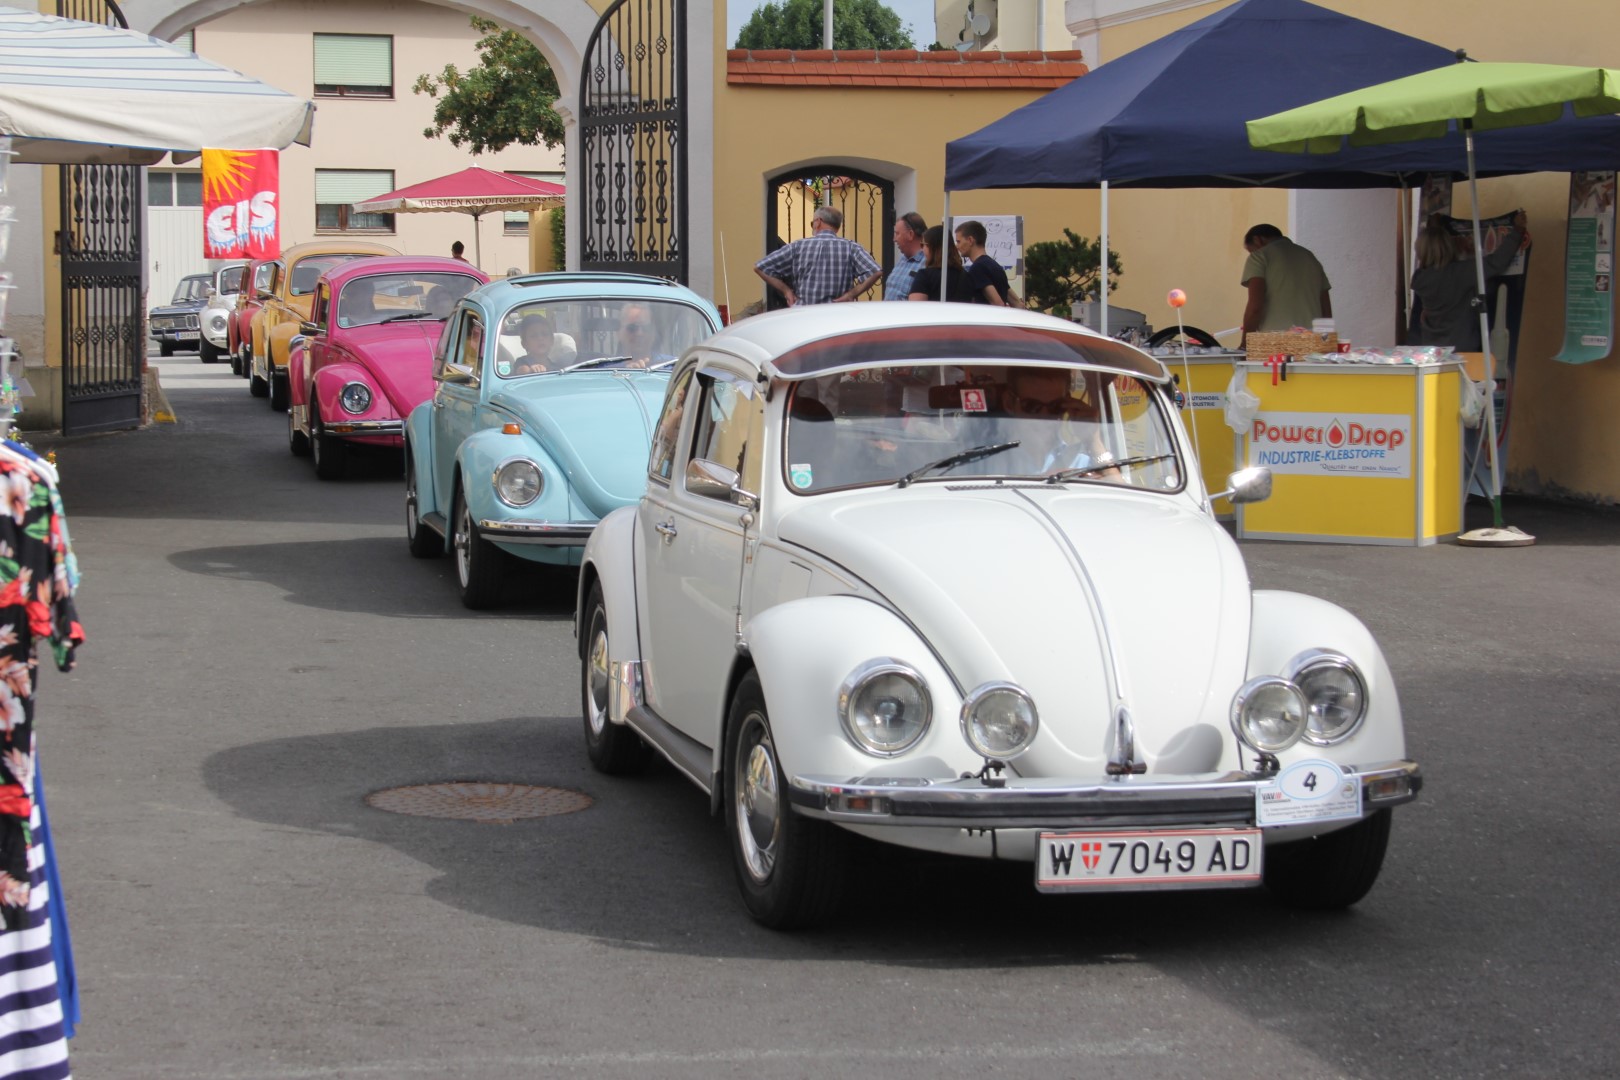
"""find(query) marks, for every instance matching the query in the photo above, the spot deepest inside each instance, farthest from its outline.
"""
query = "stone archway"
(561, 30)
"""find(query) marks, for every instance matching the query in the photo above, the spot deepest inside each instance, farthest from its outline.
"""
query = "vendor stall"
(1202, 374)
(1366, 452)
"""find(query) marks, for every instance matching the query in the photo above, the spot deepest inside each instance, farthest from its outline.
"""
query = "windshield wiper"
(1101, 466)
(954, 460)
(593, 362)
(409, 315)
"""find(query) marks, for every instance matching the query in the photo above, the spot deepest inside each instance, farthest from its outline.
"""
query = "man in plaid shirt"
(823, 268)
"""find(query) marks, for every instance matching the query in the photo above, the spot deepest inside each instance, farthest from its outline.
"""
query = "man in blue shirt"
(823, 268)
(908, 240)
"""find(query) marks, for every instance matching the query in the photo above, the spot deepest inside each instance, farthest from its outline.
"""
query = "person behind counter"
(1445, 282)
(1287, 285)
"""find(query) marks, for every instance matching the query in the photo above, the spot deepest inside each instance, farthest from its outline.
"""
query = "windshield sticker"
(503, 367)
(973, 401)
(801, 476)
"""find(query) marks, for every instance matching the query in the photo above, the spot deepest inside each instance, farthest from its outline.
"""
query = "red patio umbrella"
(476, 191)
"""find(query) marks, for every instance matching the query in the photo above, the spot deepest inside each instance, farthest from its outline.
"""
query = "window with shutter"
(354, 65)
(336, 192)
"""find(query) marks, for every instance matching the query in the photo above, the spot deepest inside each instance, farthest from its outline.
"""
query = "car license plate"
(186, 335)
(1150, 859)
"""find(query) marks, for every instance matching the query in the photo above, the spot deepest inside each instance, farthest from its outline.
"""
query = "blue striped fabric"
(32, 1045)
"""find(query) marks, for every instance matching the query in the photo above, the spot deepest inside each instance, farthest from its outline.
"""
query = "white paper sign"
(1332, 444)
(1306, 791)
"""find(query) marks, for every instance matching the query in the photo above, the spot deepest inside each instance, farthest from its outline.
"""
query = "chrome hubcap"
(758, 800)
(463, 543)
(596, 689)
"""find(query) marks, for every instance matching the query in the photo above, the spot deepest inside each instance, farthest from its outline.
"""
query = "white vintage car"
(945, 576)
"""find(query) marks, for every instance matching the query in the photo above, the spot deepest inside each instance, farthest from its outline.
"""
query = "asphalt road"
(264, 652)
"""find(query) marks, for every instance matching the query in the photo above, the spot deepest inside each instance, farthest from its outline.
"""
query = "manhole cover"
(479, 801)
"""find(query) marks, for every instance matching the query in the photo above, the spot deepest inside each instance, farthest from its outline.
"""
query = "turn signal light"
(511, 429)
(858, 804)
(1390, 787)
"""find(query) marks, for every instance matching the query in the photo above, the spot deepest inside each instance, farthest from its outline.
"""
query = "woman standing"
(941, 259)
(1446, 283)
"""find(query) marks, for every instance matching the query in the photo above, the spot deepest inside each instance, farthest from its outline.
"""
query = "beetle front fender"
(804, 650)
(419, 458)
(1286, 624)
(482, 452)
(609, 558)
(329, 383)
(280, 343)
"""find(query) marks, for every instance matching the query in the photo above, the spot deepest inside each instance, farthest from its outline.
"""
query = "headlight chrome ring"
(885, 707)
(1335, 694)
(355, 397)
(518, 482)
(999, 720)
(1269, 714)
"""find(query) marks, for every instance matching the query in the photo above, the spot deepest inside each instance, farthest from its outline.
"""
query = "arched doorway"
(865, 199)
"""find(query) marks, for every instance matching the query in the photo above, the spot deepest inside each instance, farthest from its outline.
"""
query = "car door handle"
(666, 529)
(438, 403)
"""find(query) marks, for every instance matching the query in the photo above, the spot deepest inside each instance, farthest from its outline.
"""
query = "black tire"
(331, 455)
(1330, 871)
(614, 749)
(246, 355)
(207, 352)
(165, 348)
(423, 541)
(236, 363)
(478, 562)
(790, 869)
(257, 386)
(280, 392)
(1193, 335)
(297, 441)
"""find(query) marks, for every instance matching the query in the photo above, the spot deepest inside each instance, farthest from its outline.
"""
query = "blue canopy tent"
(1172, 114)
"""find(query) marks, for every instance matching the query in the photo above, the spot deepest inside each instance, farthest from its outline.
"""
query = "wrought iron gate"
(99, 241)
(866, 201)
(632, 138)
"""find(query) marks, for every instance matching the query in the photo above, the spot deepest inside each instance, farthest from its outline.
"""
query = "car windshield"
(194, 287)
(550, 335)
(308, 271)
(902, 425)
(380, 298)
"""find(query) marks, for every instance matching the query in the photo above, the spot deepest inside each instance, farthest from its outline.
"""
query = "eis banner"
(240, 216)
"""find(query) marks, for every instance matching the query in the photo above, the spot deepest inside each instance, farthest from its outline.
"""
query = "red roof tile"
(989, 70)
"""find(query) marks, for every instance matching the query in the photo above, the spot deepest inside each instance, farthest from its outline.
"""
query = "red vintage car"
(256, 277)
(365, 358)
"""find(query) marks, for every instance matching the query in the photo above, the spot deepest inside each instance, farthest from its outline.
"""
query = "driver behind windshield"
(357, 305)
(1065, 434)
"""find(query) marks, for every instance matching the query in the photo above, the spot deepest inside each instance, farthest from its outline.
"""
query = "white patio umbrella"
(74, 92)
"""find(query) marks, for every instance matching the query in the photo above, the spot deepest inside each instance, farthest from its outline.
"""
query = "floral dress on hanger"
(36, 603)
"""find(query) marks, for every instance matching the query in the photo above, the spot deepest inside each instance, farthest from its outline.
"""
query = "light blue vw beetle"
(545, 391)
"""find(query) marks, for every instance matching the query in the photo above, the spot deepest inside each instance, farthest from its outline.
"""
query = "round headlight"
(999, 721)
(1335, 694)
(885, 707)
(1268, 714)
(355, 398)
(216, 322)
(518, 482)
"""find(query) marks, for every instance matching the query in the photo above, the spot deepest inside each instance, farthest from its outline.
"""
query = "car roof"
(335, 247)
(397, 264)
(803, 342)
(527, 288)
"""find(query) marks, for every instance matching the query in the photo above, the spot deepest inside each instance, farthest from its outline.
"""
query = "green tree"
(1060, 273)
(505, 99)
(797, 24)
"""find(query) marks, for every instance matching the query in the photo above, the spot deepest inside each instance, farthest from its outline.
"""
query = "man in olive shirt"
(1287, 286)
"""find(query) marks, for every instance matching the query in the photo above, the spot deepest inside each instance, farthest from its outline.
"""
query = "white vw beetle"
(946, 577)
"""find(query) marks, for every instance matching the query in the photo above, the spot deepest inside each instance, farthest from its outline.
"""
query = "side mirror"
(1247, 486)
(459, 375)
(713, 480)
(308, 328)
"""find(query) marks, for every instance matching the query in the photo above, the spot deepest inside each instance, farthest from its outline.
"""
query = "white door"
(174, 248)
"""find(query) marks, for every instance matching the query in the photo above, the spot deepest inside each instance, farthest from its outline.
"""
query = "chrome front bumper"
(366, 427)
(1047, 803)
(545, 533)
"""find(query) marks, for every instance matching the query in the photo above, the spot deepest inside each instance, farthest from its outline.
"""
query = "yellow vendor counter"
(1360, 453)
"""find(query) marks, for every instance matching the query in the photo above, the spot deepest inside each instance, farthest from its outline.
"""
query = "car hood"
(184, 307)
(596, 426)
(1068, 592)
(399, 356)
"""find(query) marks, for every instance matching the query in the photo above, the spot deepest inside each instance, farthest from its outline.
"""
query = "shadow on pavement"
(378, 576)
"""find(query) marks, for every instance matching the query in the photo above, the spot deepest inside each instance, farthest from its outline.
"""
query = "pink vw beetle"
(364, 359)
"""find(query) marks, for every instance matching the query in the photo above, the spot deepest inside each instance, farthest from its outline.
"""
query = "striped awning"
(75, 92)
